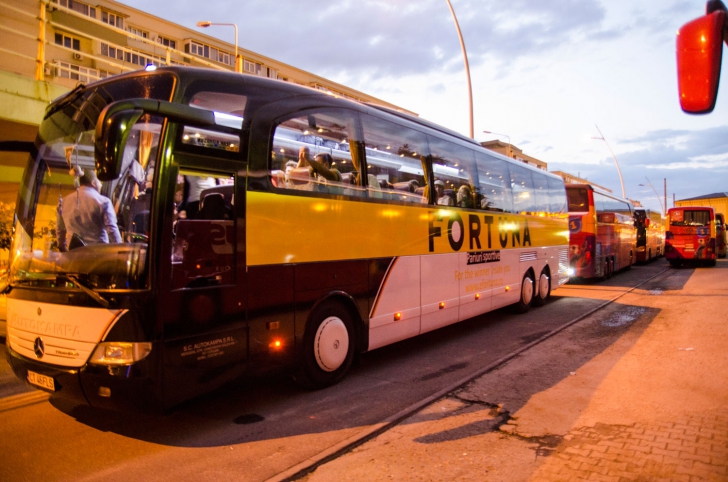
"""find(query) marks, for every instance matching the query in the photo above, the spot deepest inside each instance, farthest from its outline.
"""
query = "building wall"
(720, 204)
(34, 69)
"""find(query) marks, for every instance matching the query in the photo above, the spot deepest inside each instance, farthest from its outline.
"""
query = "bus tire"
(543, 289)
(711, 262)
(527, 289)
(328, 347)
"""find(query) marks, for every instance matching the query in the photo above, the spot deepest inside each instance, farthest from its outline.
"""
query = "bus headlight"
(570, 271)
(120, 353)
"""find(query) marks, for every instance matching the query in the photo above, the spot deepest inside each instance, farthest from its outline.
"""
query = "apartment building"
(509, 150)
(48, 46)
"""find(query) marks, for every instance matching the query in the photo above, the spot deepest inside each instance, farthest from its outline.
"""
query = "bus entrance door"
(203, 310)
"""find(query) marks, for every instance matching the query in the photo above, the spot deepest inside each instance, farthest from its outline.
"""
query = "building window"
(136, 31)
(252, 67)
(112, 19)
(79, 7)
(208, 52)
(131, 57)
(167, 42)
(68, 42)
(76, 72)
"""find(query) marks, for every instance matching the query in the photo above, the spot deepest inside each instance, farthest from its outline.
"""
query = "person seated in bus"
(278, 178)
(321, 167)
(375, 189)
(88, 215)
(442, 198)
(486, 203)
(290, 165)
(465, 196)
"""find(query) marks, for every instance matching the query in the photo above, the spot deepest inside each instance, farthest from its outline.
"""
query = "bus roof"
(600, 191)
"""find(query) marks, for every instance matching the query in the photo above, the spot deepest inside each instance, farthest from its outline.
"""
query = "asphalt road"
(255, 432)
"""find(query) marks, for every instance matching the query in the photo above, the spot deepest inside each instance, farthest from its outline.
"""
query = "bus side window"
(395, 157)
(317, 152)
(524, 198)
(493, 184)
(557, 196)
(203, 247)
(454, 166)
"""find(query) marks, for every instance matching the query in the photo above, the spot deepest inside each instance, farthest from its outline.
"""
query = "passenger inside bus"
(442, 198)
(465, 197)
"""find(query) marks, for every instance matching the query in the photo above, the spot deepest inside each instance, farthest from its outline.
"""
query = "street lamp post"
(467, 68)
(621, 182)
(510, 151)
(205, 24)
(658, 196)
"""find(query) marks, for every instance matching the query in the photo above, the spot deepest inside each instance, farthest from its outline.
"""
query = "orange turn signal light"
(477, 296)
(442, 304)
(397, 316)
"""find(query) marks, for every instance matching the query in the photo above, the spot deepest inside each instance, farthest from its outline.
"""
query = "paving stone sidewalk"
(636, 392)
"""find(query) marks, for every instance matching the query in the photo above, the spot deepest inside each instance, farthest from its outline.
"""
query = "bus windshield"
(690, 218)
(72, 233)
(578, 199)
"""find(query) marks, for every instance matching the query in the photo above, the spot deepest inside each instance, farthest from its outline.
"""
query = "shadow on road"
(384, 381)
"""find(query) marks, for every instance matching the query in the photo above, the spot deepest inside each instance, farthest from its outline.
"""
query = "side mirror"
(110, 143)
(117, 119)
(699, 53)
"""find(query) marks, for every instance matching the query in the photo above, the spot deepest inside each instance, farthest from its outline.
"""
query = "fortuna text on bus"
(480, 230)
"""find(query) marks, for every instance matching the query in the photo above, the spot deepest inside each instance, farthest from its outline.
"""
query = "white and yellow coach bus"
(264, 225)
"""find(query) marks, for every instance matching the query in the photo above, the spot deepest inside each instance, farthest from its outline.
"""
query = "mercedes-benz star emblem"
(39, 347)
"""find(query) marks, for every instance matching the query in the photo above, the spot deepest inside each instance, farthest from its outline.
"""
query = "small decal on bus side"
(208, 349)
(480, 257)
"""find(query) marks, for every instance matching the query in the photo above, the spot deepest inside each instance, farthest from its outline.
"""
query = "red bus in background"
(721, 243)
(650, 226)
(690, 235)
(601, 232)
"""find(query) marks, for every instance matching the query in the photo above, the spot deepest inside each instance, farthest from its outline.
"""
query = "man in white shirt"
(89, 214)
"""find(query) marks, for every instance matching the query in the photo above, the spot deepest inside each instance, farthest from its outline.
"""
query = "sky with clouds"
(544, 73)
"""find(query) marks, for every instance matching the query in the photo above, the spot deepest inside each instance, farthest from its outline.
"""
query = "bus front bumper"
(100, 387)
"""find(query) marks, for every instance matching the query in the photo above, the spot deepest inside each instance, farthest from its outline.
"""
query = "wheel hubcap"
(543, 286)
(331, 344)
(527, 290)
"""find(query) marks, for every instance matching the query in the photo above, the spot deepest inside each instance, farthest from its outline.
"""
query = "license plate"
(41, 381)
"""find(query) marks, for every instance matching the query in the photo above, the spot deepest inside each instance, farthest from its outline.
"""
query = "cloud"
(693, 163)
(394, 38)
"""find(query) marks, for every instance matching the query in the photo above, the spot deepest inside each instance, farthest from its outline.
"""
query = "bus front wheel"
(328, 347)
(543, 289)
(527, 289)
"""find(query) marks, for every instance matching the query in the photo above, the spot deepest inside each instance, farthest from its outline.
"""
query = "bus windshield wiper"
(70, 97)
(89, 291)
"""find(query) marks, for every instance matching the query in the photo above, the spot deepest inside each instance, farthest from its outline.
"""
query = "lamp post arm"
(658, 196)
(467, 68)
(619, 171)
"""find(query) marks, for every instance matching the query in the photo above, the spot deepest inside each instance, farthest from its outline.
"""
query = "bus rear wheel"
(328, 347)
(527, 289)
(543, 289)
